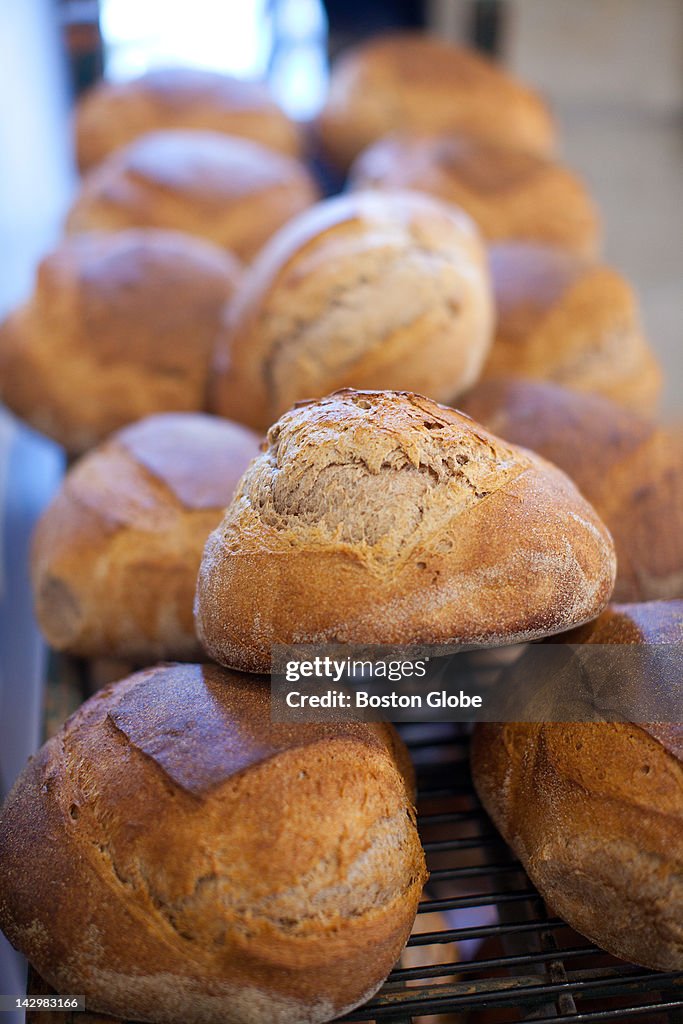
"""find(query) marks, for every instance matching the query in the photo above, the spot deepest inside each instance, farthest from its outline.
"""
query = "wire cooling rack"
(485, 949)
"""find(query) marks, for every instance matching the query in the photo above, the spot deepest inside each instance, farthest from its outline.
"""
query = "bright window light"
(284, 40)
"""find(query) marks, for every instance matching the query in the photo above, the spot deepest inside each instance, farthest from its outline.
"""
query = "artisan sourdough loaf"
(414, 82)
(509, 193)
(177, 858)
(382, 517)
(118, 327)
(364, 290)
(114, 113)
(561, 319)
(630, 470)
(115, 555)
(594, 810)
(231, 191)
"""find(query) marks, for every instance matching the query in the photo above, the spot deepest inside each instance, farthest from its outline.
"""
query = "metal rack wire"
(514, 961)
(484, 948)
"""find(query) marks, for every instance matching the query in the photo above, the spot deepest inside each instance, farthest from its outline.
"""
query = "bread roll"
(116, 553)
(119, 326)
(510, 194)
(384, 518)
(365, 290)
(177, 858)
(231, 191)
(594, 810)
(114, 113)
(413, 82)
(562, 320)
(630, 470)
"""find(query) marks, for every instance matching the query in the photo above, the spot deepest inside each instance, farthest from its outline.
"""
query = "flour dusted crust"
(178, 859)
(364, 290)
(413, 82)
(118, 327)
(510, 194)
(630, 469)
(594, 810)
(230, 191)
(382, 517)
(561, 319)
(114, 113)
(116, 553)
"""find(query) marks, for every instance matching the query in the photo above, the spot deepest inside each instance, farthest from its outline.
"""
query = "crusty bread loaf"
(384, 518)
(115, 555)
(119, 326)
(365, 290)
(408, 81)
(114, 113)
(594, 810)
(560, 319)
(629, 469)
(510, 194)
(177, 858)
(231, 191)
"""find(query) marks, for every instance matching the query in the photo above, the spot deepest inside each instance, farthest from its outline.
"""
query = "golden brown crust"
(562, 320)
(630, 470)
(288, 889)
(510, 194)
(381, 517)
(119, 326)
(595, 810)
(115, 555)
(364, 290)
(414, 82)
(114, 113)
(231, 191)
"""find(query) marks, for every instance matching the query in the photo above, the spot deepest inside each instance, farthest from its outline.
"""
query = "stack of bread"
(171, 853)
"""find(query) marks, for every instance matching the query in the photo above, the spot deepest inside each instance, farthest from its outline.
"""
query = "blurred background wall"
(613, 70)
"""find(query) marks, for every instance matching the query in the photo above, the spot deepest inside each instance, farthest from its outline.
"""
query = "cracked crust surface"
(114, 113)
(382, 517)
(569, 322)
(118, 327)
(178, 858)
(230, 191)
(116, 553)
(595, 810)
(510, 194)
(416, 82)
(364, 290)
(629, 469)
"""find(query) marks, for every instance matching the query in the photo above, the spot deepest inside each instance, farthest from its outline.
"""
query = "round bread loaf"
(510, 194)
(116, 554)
(177, 858)
(563, 320)
(118, 326)
(231, 191)
(384, 518)
(114, 113)
(365, 290)
(413, 82)
(594, 810)
(630, 470)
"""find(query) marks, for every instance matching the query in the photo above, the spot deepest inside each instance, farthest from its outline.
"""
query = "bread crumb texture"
(594, 810)
(115, 555)
(383, 517)
(119, 326)
(178, 858)
(366, 290)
